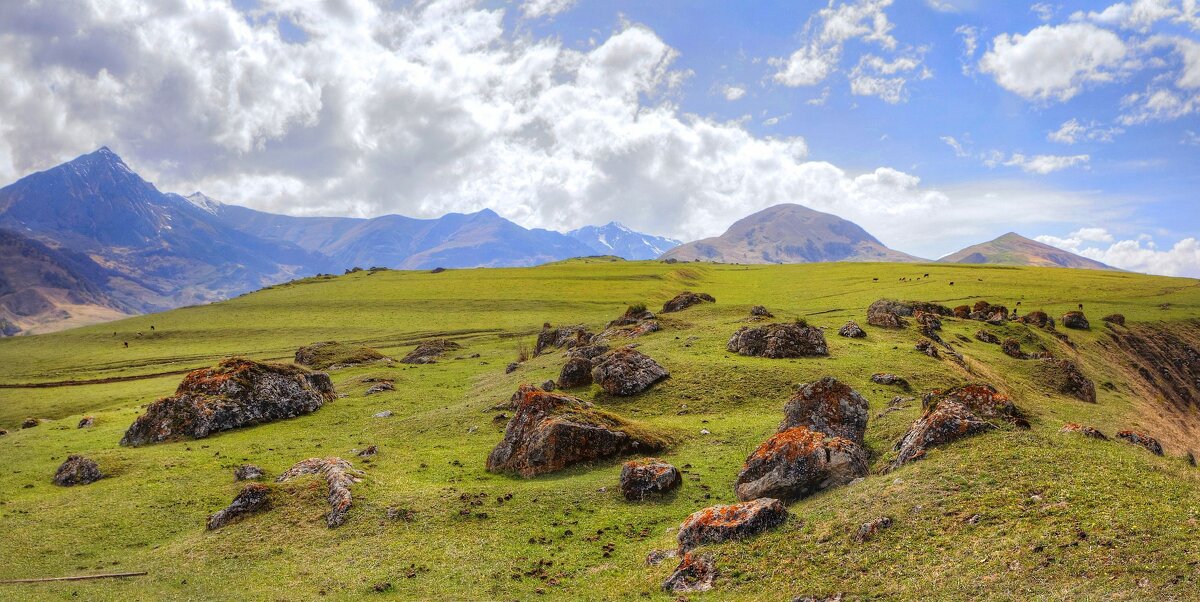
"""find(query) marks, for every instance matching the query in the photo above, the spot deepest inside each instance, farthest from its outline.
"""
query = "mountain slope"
(614, 238)
(1014, 249)
(789, 233)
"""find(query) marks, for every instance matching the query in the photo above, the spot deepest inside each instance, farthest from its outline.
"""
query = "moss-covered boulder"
(332, 354)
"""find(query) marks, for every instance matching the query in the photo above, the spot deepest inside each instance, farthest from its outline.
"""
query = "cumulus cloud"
(1140, 255)
(1055, 62)
(1072, 131)
(1138, 15)
(875, 76)
(533, 9)
(732, 93)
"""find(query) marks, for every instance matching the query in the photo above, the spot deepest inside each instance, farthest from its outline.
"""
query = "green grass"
(1034, 491)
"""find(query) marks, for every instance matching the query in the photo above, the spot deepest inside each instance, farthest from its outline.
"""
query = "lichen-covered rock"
(734, 521)
(646, 477)
(868, 530)
(1065, 377)
(555, 338)
(779, 341)
(1118, 319)
(551, 431)
(984, 400)
(987, 337)
(236, 393)
(1076, 320)
(884, 378)
(941, 423)
(1012, 348)
(1142, 440)
(889, 313)
(685, 300)
(429, 352)
(851, 330)
(577, 372)
(247, 472)
(927, 320)
(828, 406)
(254, 497)
(590, 352)
(799, 462)
(77, 470)
(695, 573)
(332, 354)
(760, 311)
(86, 422)
(1086, 431)
(626, 371)
(1037, 318)
(339, 475)
(927, 347)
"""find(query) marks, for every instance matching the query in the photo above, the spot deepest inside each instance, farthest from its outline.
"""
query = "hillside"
(1014, 249)
(1010, 514)
(788, 234)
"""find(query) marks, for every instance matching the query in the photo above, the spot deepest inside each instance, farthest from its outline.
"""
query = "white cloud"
(1045, 164)
(1073, 131)
(1077, 238)
(1054, 62)
(1139, 255)
(874, 76)
(1137, 15)
(1044, 11)
(970, 42)
(953, 143)
(533, 9)
(942, 6)
(732, 93)
(1190, 138)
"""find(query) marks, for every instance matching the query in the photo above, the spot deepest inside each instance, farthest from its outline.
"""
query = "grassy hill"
(1012, 514)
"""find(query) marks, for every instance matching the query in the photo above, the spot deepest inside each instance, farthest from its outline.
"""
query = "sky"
(934, 124)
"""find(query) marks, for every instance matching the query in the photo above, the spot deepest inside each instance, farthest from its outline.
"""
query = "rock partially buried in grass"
(562, 336)
(332, 354)
(984, 400)
(1118, 319)
(253, 498)
(828, 406)
(77, 470)
(943, 422)
(760, 311)
(797, 463)
(247, 472)
(1012, 348)
(86, 422)
(626, 371)
(380, 387)
(886, 378)
(29, 423)
(851, 330)
(1076, 320)
(779, 341)
(685, 300)
(1142, 440)
(1086, 431)
(236, 393)
(339, 475)
(735, 521)
(927, 347)
(1065, 377)
(430, 351)
(868, 530)
(551, 431)
(987, 337)
(650, 476)
(695, 573)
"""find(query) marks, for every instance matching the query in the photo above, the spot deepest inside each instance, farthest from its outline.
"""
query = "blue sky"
(933, 123)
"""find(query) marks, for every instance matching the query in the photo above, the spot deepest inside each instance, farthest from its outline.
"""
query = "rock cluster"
(254, 497)
(685, 300)
(626, 371)
(986, 312)
(650, 476)
(429, 352)
(339, 475)
(237, 392)
(889, 313)
(779, 341)
(77, 470)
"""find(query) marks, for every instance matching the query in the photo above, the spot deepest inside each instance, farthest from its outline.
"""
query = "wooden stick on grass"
(75, 578)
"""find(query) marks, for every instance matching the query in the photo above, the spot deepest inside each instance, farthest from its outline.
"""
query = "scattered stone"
(694, 574)
(685, 300)
(437, 270)
(562, 336)
(1140, 439)
(838, 597)
(1087, 431)
(650, 476)
(799, 462)
(86, 422)
(941, 423)
(384, 414)
(1065, 377)
(405, 514)
(1118, 319)
(735, 521)
(339, 475)
(987, 337)
(656, 557)
(380, 387)
(884, 378)
(332, 354)
(851, 330)
(868, 530)
(1012, 348)
(247, 472)
(577, 372)
(370, 452)
(1037, 318)
(1076, 320)
(760, 311)
(3, 432)
(512, 367)
(626, 371)
(253, 498)
(237, 392)
(429, 351)
(779, 341)
(550, 431)
(827, 406)
(77, 470)
(29, 423)
(927, 347)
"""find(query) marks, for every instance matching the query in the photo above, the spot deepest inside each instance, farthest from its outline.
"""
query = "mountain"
(615, 239)
(789, 233)
(1014, 249)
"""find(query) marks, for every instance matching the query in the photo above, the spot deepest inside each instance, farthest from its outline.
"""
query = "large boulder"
(332, 354)
(1065, 377)
(646, 477)
(338, 474)
(626, 371)
(981, 399)
(1076, 320)
(851, 330)
(941, 423)
(799, 462)
(237, 392)
(551, 431)
(735, 521)
(77, 470)
(779, 341)
(577, 372)
(685, 300)
(695, 573)
(254, 497)
(1142, 440)
(828, 406)
(429, 352)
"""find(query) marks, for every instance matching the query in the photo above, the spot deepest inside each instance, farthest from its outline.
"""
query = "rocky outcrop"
(339, 475)
(551, 431)
(827, 406)
(1076, 320)
(577, 372)
(562, 336)
(253, 498)
(735, 521)
(650, 476)
(236, 393)
(77, 470)
(889, 313)
(943, 422)
(685, 300)
(1065, 377)
(779, 341)
(430, 351)
(332, 355)
(626, 371)
(1142, 440)
(1086, 431)
(851, 330)
(695, 573)
(799, 462)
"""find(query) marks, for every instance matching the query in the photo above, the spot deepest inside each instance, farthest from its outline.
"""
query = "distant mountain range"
(1014, 249)
(615, 239)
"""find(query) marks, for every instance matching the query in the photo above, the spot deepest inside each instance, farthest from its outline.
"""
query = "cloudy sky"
(932, 123)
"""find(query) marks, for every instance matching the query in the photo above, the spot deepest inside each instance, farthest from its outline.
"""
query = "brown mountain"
(789, 233)
(1014, 249)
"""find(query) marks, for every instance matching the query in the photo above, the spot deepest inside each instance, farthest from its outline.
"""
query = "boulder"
(1075, 320)
(634, 314)
(29, 423)
(626, 371)
(429, 352)
(556, 338)
(646, 477)
(927, 347)
(1012, 348)
(1086, 431)
(685, 300)
(987, 337)
(1118, 319)
(981, 399)
(827, 406)
(86, 422)
(254, 497)
(886, 313)
(339, 475)
(1037, 318)
(797, 463)
(1142, 440)
(1065, 377)
(237, 392)
(695, 573)
(590, 352)
(941, 423)
(779, 341)
(77, 470)
(760, 311)
(735, 521)
(551, 431)
(577, 372)
(927, 320)
(962, 312)
(332, 354)
(851, 330)
(247, 472)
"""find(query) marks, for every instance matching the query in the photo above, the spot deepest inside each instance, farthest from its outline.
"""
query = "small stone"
(253, 498)
(870, 529)
(851, 330)
(384, 414)
(86, 422)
